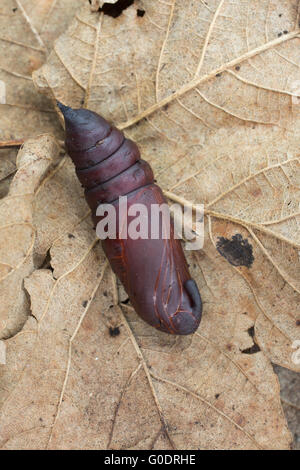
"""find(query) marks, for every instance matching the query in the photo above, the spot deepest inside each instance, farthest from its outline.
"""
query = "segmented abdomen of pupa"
(153, 271)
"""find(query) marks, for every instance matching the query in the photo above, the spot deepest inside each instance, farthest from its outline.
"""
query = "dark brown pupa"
(154, 272)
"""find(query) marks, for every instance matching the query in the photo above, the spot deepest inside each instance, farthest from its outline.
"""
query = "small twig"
(5, 144)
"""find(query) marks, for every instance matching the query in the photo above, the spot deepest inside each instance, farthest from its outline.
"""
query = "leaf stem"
(5, 144)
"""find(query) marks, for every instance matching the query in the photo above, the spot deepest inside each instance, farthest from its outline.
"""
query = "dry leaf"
(218, 127)
(28, 29)
(107, 380)
(24, 112)
(210, 94)
(97, 4)
(49, 18)
(57, 210)
(17, 231)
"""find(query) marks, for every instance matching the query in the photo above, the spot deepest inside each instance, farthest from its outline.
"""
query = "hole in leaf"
(114, 331)
(237, 251)
(254, 349)
(116, 9)
(251, 331)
